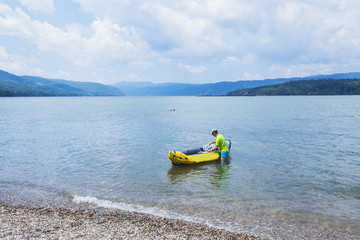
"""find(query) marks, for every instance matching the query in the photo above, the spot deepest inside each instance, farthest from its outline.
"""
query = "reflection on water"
(214, 172)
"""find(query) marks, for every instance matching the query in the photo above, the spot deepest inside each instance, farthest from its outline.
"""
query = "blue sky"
(190, 41)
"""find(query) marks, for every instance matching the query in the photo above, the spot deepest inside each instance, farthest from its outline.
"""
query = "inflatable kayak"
(196, 155)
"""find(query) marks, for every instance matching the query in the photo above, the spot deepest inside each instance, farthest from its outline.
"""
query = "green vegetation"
(305, 87)
(12, 86)
(336, 84)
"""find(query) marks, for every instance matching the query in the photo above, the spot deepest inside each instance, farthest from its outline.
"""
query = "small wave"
(151, 211)
(135, 208)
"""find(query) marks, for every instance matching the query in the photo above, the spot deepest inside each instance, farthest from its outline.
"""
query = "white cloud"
(182, 28)
(132, 77)
(17, 64)
(109, 41)
(63, 74)
(46, 6)
(141, 64)
(136, 34)
(102, 42)
(249, 58)
(249, 76)
(193, 69)
(230, 60)
(3, 53)
(195, 28)
(303, 70)
(271, 31)
(317, 31)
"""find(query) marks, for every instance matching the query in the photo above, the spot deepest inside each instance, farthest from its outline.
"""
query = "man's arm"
(213, 149)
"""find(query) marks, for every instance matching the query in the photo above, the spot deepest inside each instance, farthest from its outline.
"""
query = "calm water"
(294, 170)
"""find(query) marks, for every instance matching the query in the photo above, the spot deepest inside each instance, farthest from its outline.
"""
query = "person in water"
(220, 144)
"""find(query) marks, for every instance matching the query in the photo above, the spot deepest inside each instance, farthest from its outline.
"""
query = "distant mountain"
(305, 87)
(12, 85)
(219, 88)
(186, 89)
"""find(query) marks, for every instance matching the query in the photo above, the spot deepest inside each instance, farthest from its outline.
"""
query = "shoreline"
(24, 222)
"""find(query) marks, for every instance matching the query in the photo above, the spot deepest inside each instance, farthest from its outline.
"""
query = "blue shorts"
(224, 154)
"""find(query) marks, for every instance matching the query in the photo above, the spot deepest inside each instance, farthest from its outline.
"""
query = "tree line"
(305, 87)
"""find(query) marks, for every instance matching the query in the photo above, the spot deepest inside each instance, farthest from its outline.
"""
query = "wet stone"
(23, 222)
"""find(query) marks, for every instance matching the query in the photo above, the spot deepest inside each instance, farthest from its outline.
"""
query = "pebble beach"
(28, 222)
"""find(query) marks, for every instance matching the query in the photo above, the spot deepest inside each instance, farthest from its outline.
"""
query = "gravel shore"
(26, 222)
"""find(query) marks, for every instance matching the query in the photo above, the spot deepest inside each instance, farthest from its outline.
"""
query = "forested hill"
(305, 87)
(12, 85)
(218, 88)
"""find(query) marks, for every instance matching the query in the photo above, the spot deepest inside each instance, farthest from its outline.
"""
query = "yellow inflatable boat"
(196, 155)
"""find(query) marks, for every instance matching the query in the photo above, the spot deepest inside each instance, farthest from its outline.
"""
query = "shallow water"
(294, 170)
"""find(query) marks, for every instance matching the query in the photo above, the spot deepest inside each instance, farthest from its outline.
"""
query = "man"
(220, 144)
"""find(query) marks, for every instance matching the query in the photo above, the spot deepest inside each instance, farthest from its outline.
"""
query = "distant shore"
(26, 222)
(244, 95)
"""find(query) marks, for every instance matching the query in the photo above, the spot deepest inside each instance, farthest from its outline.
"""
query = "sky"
(189, 41)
